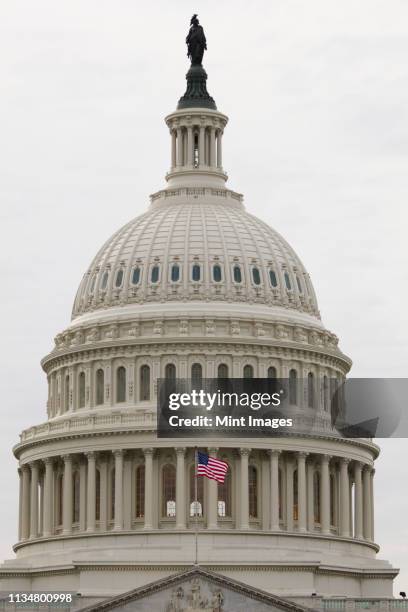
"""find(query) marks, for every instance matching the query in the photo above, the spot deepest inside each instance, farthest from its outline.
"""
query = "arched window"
(66, 393)
(60, 498)
(75, 496)
(100, 386)
(222, 371)
(237, 274)
(112, 494)
(119, 278)
(256, 276)
(196, 272)
(136, 276)
(299, 284)
(169, 491)
(310, 390)
(170, 371)
(145, 383)
(292, 387)
(154, 277)
(295, 496)
(140, 491)
(217, 274)
(272, 278)
(175, 273)
(332, 499)
(253, 491)
(196, 373)
(196, 508)
(121, 384)
(97, 495)
(316, 496)
(81, 390)
(325, 393)
(104, 282)
(248, 371)
(287, 281)
(224, 495)
(271, 372)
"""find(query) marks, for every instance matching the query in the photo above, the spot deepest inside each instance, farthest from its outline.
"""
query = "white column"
(82, 495)
(302, 503)
(289, 493)
(148, 518)
(103, 468)
(25, 506)
(372, 503)
(358, 502)
(91, 493)
(20, 503)
(118, 490)
(244, 523)
(34, 501)
(367, 502)
(212, 147)
(219, 149)
(128, 492)
(179, 147)
(49, 467)
(310, 496)
(67, 496)
(325, 494)
(173, 148)
(274, 484)
(201, 147)
(189, 145)
(180, 489)
(212, 497)
(344, 498)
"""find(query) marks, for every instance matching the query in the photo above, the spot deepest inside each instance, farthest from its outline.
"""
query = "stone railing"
(374, 605)
(140, 421)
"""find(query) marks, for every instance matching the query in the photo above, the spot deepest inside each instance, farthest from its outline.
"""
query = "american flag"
(210, 467)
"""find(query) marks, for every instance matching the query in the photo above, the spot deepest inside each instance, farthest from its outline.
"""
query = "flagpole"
(196, 507)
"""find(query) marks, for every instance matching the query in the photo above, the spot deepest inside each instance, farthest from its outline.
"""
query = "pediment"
(196, 590)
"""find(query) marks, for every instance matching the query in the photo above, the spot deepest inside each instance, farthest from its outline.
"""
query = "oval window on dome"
(155, 274)
(217, 274)
(256, 277)
(299, 284)
(237, 274)
(272, 278)
(287, 281)
(104, 280)
(92, 287)
(175, 273)
(196, 272)
(119, 278)
(136, 276)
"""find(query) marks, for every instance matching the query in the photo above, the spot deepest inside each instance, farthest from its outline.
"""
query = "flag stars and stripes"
(211, 467)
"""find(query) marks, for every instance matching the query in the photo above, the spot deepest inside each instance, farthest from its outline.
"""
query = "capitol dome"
(197, 245)
(196, 288)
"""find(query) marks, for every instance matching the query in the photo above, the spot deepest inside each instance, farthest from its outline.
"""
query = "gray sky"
(317, 95)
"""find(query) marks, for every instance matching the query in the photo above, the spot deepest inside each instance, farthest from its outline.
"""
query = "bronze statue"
(196, 42)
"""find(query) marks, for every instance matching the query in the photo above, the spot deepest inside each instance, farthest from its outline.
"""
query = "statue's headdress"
(194, 19)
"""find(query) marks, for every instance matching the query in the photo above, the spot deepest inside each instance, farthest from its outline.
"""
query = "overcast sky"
(317, 95)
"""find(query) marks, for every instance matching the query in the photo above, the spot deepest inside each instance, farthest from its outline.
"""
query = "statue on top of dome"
(196, 42)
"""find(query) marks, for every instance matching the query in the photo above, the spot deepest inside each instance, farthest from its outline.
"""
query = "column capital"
(274, 452)
(325, 458)
(48, 461)
(358, 466)
(213, 450)
(367, 467)
(90, 455)
(245, 452)
(118, 452)
(302, 455)
(66, 458)
(25, 467)
(345, 460)
(35, 464)
(180, 450)
(148, 451)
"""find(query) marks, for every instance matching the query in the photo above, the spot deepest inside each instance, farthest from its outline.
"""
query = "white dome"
(209, 232)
